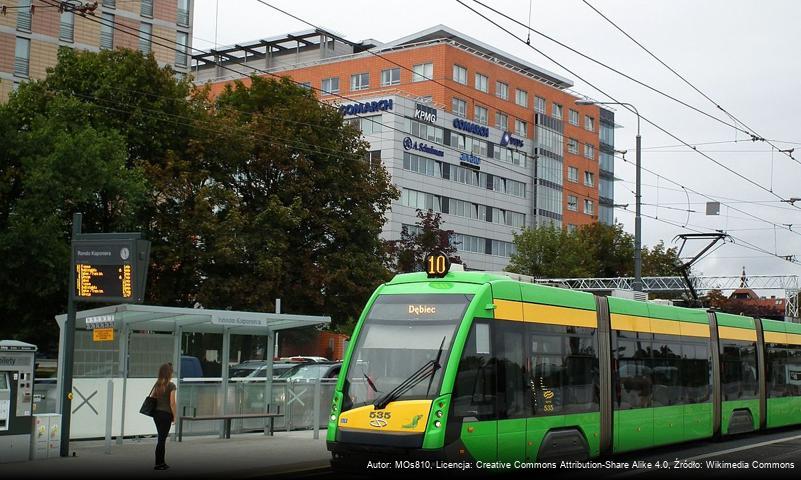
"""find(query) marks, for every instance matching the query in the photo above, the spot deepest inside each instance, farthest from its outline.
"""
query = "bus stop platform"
(247, 455)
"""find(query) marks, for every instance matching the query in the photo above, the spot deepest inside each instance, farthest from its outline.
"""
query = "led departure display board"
(109, 270)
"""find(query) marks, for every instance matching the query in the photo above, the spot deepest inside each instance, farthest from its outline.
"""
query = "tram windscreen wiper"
(426, 371)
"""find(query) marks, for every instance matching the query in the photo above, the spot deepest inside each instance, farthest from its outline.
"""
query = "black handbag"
(149, 405)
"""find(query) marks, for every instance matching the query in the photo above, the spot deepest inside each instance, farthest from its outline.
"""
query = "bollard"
(109, 414)
(316, 409)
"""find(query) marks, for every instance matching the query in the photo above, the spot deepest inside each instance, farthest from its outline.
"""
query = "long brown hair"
(165, 375)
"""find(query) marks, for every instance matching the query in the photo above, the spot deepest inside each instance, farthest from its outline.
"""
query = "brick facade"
(45, 30)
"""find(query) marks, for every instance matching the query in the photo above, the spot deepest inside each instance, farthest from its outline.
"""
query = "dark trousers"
(162, 420)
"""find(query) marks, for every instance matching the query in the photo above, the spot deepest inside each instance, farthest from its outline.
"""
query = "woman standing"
(164, 393)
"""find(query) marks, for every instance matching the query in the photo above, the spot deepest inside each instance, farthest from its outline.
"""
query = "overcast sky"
(742, 54)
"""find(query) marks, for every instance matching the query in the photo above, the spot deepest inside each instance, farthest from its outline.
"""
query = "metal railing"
(294, 399)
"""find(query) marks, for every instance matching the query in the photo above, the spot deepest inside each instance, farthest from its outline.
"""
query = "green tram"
(476, 366)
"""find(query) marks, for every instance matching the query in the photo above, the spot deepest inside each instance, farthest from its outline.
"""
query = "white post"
(268, 378)
(124, 367)
(109, 413)
(176, 367)
(316, 413)
(224, 384)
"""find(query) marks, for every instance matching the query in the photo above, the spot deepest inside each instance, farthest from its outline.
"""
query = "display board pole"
(69, 348)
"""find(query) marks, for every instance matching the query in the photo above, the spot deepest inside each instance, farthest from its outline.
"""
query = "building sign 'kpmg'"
(366, 107)
(425, 114)
(409, 144)
(471, 127)
(508, 139)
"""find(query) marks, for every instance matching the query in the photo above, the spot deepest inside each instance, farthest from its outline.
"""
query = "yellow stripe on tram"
(635, 323)
(547, 314)
(794, 339)
(733, 333)
(775, 337)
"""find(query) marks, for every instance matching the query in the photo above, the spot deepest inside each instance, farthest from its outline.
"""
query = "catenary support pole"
(69, 347)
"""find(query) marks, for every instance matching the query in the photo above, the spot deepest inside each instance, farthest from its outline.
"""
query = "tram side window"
(793, 370)
(695, 372)
(738, 370)
(475, 386)
(564, 363)
(632, 370)
(511, 369)
(665, 367)
(777, 370)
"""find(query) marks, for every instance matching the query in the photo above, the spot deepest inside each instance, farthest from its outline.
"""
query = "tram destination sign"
(108, 269)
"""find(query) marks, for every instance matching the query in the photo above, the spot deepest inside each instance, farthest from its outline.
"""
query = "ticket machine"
(16, 399)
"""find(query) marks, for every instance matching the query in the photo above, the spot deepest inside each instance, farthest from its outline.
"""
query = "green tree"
(594, 250)
(56, 166)
(549, 252)
(408, 253)
(659, 261)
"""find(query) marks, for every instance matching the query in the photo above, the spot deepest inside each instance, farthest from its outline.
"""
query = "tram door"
(475, 396)
(512, 389)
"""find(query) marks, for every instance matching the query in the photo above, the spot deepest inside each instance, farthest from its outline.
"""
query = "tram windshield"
(400, 334)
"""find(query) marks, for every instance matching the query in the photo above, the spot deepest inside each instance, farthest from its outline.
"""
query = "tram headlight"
(438, 424)
(439, 413)
(333, 417)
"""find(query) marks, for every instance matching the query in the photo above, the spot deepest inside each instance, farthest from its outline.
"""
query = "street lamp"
(637, 285)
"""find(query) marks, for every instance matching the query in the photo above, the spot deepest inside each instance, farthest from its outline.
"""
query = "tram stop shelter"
(119, 348)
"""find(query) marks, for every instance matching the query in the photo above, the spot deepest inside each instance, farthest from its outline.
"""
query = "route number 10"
(437, 265)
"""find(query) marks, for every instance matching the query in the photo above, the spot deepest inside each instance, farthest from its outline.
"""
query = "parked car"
(312, 371)
(190, 367)
(258, 369)
(305, 359)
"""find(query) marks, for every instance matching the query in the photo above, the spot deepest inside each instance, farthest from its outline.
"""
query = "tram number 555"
(437, 264)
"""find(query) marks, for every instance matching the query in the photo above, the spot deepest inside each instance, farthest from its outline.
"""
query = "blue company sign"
(409, 144)
(366, 107)
(508, 139)
(471, 127)
(470, 159)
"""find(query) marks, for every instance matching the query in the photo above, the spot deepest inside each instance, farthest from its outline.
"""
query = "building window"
(589, 151)
(574, 117)
(588, 206)
(482, 83)
(539, 104)
(147, 8)
(572, 145)
(501, 121)
(422, 72)
(183, 13)
(330, 85)
(589, 179)
(571, 228)
(572, 174)
(360, 81)
(556, 111)
(66, 29)
(373, 158)
(22, 54)
(521, 98)
(390, 76)
(182, 42)
(589, 123)
(23, 15)
(502, 90)
(520, 127)
(107, 31)
(110, 3)
(459, 107)
(480, 115)
(459, 74)
(368, 125)
(145, 31)
(572, 203)
(306, 85)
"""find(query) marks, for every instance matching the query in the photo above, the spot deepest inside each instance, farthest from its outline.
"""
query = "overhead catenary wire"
(684, 79)
(627, 107)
